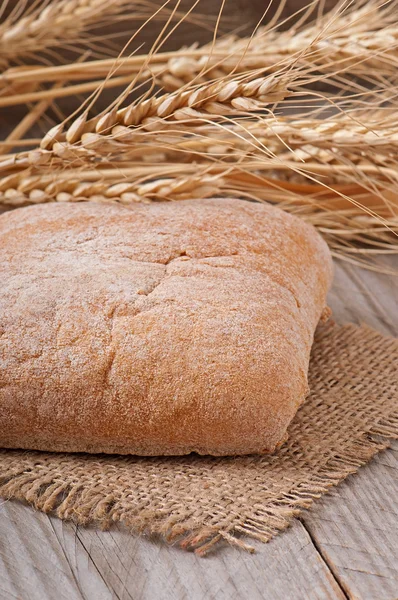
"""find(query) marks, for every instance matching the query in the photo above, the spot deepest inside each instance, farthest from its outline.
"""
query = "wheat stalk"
(356, 41)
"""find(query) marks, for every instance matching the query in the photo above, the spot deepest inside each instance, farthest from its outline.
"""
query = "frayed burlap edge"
(75, 503)
(65, 502)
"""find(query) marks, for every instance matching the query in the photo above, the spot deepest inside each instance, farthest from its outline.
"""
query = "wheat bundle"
(245, 117)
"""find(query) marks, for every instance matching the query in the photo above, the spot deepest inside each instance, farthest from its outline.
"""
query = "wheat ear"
(362, 137)
(264, 179)
(59, 22)
(210, 101)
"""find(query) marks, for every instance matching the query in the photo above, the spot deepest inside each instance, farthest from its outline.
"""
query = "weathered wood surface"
(346, 546)
(355, 529)
(46, 558)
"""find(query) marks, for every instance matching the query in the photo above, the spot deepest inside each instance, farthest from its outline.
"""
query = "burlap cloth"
(352, 414)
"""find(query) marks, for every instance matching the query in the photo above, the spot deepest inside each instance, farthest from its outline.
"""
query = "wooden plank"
(355, 527)
(47, 558)
(32, 561)
(149, 570)
(36, 564)
(359, 295)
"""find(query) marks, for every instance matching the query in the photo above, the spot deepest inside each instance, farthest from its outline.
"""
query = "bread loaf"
(156, 329)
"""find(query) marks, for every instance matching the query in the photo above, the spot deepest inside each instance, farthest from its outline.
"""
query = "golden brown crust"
(157, 329)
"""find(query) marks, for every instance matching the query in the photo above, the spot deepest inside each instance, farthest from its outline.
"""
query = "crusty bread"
(156, 329)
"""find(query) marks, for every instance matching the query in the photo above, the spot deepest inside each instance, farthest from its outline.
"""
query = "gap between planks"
(324, 558)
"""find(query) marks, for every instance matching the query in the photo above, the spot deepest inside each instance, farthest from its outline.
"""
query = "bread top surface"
(156, 329)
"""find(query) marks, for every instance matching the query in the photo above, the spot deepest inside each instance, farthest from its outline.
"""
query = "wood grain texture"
(355, 528)
(345, 547)
(47, 558)
(364, 296)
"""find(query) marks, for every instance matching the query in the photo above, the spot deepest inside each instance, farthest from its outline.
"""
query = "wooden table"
(345, 547)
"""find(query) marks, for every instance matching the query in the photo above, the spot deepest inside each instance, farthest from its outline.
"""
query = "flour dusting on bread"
(157, 329)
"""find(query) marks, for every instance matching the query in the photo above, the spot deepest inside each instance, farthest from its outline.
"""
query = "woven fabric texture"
(197, 502)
